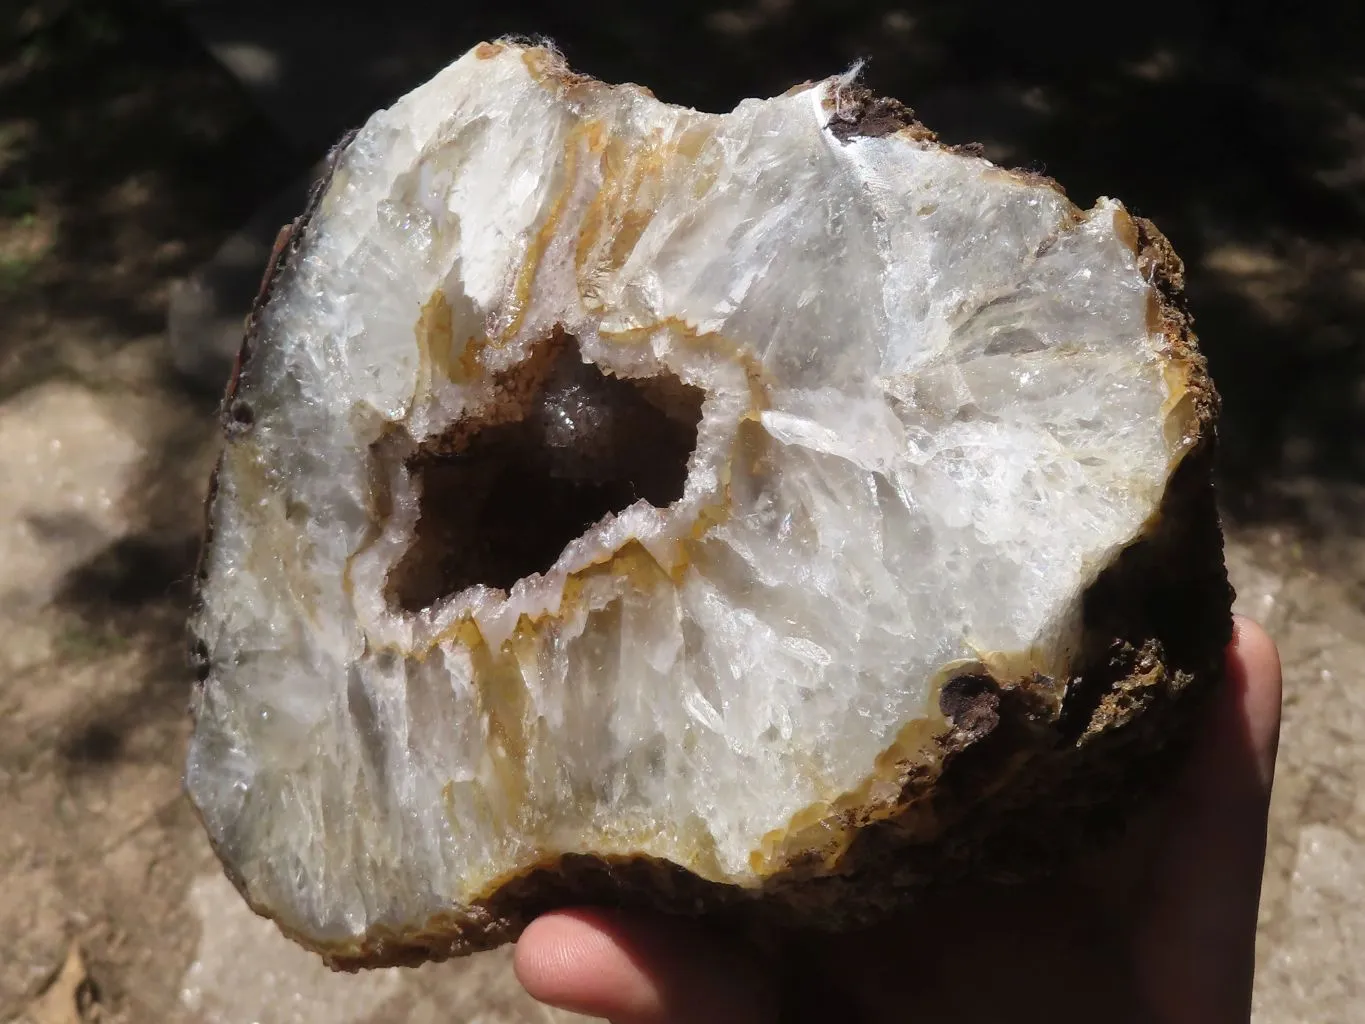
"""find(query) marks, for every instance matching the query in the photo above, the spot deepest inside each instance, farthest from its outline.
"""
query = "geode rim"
(1013, 761)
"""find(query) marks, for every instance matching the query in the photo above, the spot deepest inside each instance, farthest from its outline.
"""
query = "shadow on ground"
(138, 150)
(126, 154)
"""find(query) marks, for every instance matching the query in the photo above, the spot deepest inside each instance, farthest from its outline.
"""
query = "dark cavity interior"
(500, 502)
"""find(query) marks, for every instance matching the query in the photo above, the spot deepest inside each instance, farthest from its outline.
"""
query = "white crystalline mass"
(934, 410)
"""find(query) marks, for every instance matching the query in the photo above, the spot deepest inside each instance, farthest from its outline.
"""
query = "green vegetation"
(88, 641)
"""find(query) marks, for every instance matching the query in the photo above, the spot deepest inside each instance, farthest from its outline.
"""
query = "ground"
(127, 156)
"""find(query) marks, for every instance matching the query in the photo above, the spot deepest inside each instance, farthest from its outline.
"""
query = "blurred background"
(148, 152)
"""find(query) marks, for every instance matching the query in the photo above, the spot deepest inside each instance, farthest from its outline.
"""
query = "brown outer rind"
(235, 416)
(1013, 789)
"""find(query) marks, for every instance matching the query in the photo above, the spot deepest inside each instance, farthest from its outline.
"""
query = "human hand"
(1159, 930)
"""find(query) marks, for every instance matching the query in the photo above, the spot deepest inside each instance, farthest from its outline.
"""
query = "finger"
(638, 971)
(1197, 943)
(1259, 696)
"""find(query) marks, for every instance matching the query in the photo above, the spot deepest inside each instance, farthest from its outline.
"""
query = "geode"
(764, 515)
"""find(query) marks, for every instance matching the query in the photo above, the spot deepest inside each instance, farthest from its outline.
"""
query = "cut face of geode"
(684, 492)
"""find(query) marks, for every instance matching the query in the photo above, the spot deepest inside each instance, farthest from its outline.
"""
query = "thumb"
(640, 970)
(1196, 945)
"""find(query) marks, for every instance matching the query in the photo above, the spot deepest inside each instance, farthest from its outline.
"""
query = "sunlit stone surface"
(608, 477)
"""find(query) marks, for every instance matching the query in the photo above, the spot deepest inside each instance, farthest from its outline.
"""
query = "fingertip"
(1256, 690)
(571, 959)
(1252, 647)
(633, 970)
(1197, 939)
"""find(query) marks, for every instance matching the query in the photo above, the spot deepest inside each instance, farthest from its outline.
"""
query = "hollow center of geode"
(501, 502)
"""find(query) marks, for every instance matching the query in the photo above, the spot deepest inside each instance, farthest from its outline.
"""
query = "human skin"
(1158, 928)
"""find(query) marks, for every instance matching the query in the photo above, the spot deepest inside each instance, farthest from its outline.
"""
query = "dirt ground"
(127, 156)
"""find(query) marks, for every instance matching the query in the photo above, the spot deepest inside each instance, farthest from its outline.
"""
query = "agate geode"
(760, 514)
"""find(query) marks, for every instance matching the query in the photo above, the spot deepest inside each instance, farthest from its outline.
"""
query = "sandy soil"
(127, 156)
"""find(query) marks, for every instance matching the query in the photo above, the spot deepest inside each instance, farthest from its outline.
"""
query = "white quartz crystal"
(935, 405)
